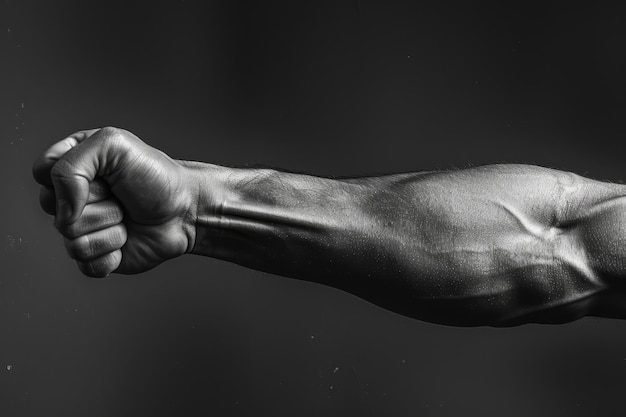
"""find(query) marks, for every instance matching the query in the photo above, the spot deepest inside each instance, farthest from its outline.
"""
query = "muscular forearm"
(495, 245)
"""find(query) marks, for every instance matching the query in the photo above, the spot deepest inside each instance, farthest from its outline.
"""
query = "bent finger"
(46, 160)
(93, 245)
(102, 266)
(95, 217)
(72, 174)
(98, 191)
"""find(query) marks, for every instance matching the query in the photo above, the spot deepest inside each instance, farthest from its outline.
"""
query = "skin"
(497, 245)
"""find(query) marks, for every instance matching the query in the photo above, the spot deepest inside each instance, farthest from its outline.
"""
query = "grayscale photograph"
(359, 208)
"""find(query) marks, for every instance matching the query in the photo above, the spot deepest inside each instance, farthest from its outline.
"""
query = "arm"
(494, 245)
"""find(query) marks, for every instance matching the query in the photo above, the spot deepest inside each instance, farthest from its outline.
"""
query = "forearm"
(294, 225)
(473, 247)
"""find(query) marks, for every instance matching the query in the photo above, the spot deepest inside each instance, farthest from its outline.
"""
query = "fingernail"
(64, 211)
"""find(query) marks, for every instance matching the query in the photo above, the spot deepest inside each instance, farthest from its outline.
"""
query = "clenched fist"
(120, 204)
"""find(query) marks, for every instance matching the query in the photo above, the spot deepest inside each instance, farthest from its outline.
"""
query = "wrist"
(207, 186)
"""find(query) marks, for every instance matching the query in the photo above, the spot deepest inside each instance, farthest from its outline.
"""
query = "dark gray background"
(336, 88)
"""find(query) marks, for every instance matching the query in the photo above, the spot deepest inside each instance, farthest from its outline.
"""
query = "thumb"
(72, 174)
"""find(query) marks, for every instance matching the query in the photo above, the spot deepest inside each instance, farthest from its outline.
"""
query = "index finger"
(44, 162)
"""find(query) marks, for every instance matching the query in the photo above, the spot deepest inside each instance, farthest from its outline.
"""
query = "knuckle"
(118, 139)
(79, 248)
(75, 230)
(113, 213)
(62, 168)
(110, 131)
(113, 135)
(72, 231)
(119, 237)
(102, 266)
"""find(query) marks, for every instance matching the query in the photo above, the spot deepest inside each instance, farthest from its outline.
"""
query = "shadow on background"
(329, 88)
